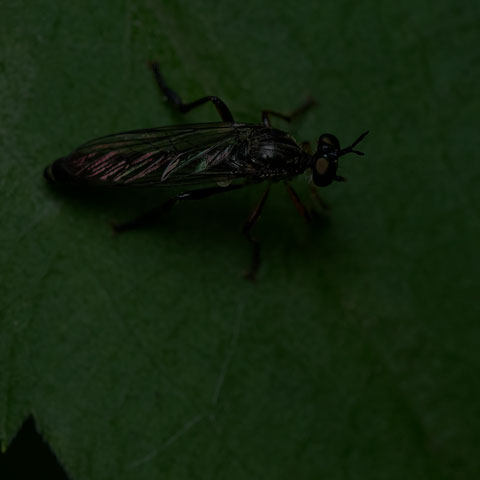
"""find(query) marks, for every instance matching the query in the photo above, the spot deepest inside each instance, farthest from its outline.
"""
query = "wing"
(166, 156)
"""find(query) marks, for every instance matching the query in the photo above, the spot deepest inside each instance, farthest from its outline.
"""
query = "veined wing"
(165, 156)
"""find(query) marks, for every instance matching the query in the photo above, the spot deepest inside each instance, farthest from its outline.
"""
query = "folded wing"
(165, 156)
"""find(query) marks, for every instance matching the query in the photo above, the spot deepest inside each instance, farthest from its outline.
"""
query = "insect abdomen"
(55, 173)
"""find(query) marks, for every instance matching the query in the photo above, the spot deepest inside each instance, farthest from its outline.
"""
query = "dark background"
(355, 355)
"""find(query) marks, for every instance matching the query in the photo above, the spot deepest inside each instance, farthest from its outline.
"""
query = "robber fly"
(214, 157)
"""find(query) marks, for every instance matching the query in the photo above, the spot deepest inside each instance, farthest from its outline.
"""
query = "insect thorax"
(274, 154)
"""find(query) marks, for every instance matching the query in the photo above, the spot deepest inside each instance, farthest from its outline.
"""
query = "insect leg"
(290, 116)
(301, 209)
(318, 199)
(200, 193)
(247, 227)
(145, 219)
(151, 217)
(176, 101)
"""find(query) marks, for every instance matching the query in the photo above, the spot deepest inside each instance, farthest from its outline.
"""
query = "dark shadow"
(29, 456)
(216, 220)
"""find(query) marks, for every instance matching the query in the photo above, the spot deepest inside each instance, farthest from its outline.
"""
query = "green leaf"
(147, 355)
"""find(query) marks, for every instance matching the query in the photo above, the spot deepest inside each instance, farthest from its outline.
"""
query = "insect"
(202, 160)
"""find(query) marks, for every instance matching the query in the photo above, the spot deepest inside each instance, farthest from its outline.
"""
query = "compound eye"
(329, 140)
(321, 166)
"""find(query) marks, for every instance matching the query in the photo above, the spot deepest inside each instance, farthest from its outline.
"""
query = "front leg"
(301, 209)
